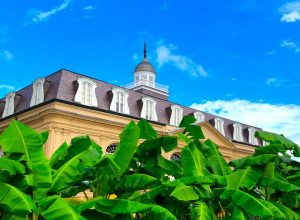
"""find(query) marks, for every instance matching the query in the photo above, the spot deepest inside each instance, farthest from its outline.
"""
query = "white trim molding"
(119, 102)
(37, 92)
(149, 109)
(176, 115)
(219, 125)
(9, 108)
(199, 116)
(252, 139)
(86, 92)
(237, 132)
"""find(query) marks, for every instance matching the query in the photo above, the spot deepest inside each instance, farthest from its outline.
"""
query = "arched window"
(237, 132)
(119, 101)
(37, 92)
(149, 109)
(176, 115)
(175, 156)
(86, 93)
(219, 125)
(9, 108)
(111, 148)
(252, 139)
(199, 116)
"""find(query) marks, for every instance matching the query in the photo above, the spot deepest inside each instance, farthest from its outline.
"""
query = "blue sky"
(238, 59)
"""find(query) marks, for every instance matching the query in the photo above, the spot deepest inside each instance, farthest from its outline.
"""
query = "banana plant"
(30, 185)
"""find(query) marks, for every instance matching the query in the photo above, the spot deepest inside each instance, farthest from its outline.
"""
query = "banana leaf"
(201, 211)
(146, 130)
(216, 159)
(238, 214)
(72, 170)
(15, 202)
(55, 207)
(248, 203)
(127, 147)
(11, 166)
(279, 184)
(193, 161)
(20, 138)
(136, 181)
(247, 178)
(184, 193)
(273, 138)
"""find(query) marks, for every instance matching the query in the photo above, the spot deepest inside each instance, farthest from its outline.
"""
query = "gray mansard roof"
(61, 85)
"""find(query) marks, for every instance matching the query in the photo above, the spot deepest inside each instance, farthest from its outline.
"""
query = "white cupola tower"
(145, 79)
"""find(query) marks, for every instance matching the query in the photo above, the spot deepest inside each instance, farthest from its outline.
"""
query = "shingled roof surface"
(61, 86)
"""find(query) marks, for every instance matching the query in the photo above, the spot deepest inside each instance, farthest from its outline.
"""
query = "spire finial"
(145, 50)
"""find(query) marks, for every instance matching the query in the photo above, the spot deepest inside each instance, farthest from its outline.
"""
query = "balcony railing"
(157, 86)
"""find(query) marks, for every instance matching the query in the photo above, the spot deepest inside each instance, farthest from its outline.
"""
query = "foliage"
(136, 181)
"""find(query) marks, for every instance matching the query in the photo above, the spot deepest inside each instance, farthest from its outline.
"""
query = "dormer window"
(252, 139)
(237, 132)
(119, 101)
(9, 108)
(86, 92)
(219, 125)
(37, 92)
(149, 109)
(199, 117)
(176, 115)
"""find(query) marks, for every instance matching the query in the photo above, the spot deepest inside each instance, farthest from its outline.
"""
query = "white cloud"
(290, 12)
(6, 55)
(290, 45)
(273, 81)
(89, 8)
(36, 16)
(281, 119)
(165, 55)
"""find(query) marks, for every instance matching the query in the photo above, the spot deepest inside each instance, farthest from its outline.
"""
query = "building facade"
(69, 104)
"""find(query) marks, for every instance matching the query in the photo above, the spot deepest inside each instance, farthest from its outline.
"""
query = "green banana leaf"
(248, 203)
(170, 167)
(20, 138)
(146, 130)
(72, 170)
(136, 181)
(187, 120)
(270, 149)
(273, 138)
(127, 147)
(64, 153)
(279, 184)
(201, 211)
(247, 178)
(11, 166)
(215, 159)
(192, 180)
(290, 214)
(238, 214)
(254, 160)
(278, 214)
(167, 143)
(193, 161)
(184, 193)
(55, 207)
(15, 202)
(121, 206)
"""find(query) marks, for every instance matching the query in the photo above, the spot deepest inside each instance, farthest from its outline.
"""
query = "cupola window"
(119, 101)
(37, 92)
(9, 108)
(86, 93)
(149, 109)
(176, 115)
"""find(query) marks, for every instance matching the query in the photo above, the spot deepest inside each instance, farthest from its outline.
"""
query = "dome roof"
(145, 66)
